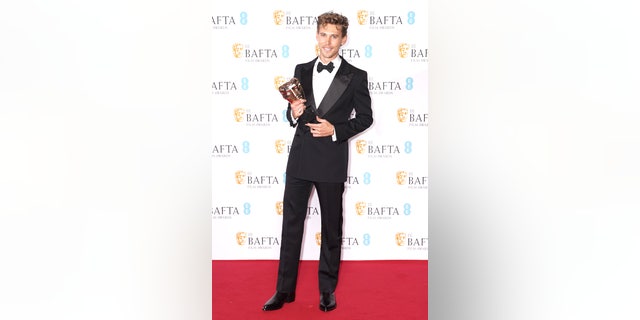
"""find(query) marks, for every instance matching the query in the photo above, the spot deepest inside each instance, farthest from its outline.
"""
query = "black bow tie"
(321, 67)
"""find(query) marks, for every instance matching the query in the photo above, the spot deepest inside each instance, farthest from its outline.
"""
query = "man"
(319, 157)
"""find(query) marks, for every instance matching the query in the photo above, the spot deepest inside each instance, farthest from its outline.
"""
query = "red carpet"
(370, 290)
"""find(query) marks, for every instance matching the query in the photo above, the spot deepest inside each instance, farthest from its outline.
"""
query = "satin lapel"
(307, 85)
(337, 87)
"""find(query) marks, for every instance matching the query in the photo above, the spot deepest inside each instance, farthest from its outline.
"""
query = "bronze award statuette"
(292, 90)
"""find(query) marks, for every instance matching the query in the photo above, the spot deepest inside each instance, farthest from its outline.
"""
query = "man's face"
(330, 40)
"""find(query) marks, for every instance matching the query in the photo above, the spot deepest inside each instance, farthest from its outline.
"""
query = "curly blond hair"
(341, 22)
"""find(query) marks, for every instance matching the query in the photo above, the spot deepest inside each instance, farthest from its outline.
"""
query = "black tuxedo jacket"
(322, 159)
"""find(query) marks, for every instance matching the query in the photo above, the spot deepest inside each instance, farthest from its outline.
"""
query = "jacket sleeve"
(363, 112)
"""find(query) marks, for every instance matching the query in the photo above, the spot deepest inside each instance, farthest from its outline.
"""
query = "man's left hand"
(323, 128)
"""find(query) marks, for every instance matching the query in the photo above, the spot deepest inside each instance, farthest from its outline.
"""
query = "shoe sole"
(327, 309)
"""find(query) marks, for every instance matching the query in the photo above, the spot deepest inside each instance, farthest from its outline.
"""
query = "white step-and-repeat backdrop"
(256, 47)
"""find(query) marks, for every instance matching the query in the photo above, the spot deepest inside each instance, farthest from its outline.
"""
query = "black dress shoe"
(327, 301)
(277, 301)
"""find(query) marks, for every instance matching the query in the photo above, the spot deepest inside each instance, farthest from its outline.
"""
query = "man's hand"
(323, 128)
(297, 108)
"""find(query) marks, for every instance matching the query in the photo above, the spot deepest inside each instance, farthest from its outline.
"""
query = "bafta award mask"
(292, 90)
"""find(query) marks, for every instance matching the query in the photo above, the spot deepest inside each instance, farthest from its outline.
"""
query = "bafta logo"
(280, 146)
(240, 176)
(238, 114)
(292, 90)
(401, 177)
(362, 17)
(278, 81)
(360, 206)
(318, 238)
(402, 114)
(279, 207)
(400, 237)
(317, 50)
(241, 238)
(237, 50)
(278, 16)
(403, 50)
(361, 146)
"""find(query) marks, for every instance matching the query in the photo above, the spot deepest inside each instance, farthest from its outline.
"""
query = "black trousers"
(295, 203)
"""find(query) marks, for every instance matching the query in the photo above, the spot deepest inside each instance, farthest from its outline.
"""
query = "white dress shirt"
(321, 82)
